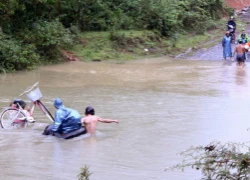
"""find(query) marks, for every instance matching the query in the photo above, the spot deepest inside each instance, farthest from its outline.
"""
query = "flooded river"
(164, 106)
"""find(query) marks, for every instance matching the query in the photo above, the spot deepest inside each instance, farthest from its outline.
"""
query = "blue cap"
(58, 103)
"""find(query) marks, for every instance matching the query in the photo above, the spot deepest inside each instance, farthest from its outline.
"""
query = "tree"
(35, 31)
(218, 161)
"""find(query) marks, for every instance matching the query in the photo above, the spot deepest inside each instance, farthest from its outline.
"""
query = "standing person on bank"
(227, 47)
(231, 27)
(243, 37)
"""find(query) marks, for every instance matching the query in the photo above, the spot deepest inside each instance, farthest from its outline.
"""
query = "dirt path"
(215, 52)
(237, 4)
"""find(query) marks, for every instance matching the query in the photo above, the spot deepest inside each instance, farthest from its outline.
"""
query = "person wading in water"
(240, 51)
(227, 47)
(90, 120)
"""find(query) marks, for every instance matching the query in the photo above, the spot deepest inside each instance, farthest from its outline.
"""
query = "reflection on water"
(164, 106)
(241, 76)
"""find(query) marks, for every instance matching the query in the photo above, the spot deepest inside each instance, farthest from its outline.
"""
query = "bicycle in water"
(17, 116)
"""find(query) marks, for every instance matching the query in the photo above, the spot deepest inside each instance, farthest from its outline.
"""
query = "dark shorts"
(240, 58)
(78, 132)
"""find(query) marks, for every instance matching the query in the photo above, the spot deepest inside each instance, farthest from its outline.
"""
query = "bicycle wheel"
(45, 110)
(12, 118)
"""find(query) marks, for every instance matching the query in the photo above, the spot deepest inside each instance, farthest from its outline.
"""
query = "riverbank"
(125, 45)
(38, 38)
(214, 52)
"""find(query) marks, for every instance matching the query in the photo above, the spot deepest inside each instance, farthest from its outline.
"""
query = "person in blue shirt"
(67, 122)
(227, 47)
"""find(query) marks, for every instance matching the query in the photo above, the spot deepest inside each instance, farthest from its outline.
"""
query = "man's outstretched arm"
(107, 120)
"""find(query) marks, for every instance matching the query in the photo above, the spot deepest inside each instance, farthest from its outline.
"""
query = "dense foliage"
(34, 31)
(220, 161)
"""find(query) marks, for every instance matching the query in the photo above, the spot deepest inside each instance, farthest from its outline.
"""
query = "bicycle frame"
(38, 103)
(16, 119)
(42, 108)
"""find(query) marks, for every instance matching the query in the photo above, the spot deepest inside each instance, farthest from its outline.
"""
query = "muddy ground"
(237, 4)
(216, 52)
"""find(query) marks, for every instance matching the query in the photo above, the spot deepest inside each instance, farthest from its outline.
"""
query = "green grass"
(185, 42)
(97, 45)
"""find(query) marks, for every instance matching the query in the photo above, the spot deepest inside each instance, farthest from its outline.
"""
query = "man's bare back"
(90, 123)
(240, 49)
(90, 120)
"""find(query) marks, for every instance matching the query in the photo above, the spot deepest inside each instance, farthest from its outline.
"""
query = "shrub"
(16, 55)
(49, 37)
(84, 174)
(218, 160)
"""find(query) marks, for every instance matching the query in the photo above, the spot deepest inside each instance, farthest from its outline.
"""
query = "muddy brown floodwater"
(164, 106)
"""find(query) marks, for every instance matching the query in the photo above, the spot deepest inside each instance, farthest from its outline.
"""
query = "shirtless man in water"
(90, 120)
(240, 57)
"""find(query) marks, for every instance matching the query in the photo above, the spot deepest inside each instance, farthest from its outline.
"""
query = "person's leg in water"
(243, 64)
(241, 60)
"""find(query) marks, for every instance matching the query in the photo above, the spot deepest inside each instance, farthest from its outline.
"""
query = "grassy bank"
(126, 45)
